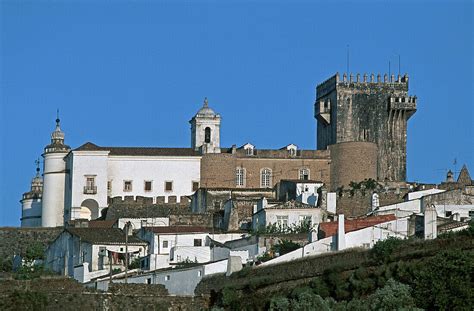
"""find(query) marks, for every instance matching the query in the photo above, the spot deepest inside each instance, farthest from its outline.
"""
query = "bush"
(35, 251)
(279, 304)
(285, 247)
(445, 281)
(382, 250)
(393, 296)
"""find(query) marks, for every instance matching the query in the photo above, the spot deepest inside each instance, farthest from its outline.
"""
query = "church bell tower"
(205, 130)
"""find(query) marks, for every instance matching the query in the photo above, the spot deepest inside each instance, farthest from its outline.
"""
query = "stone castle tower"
(368, 109)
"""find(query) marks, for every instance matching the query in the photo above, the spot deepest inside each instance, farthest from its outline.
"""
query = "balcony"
(90, 189)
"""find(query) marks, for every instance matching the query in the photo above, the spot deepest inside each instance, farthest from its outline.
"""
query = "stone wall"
(66, 294)
(18, 240)
(218, 170)
(370, 110)
(352, 161)
(360, 203)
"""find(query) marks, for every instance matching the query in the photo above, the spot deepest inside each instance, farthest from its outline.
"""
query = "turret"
(205, 130)
(31, 202)
(54, 173)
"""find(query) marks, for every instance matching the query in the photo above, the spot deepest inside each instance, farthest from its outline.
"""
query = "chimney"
(341, 233)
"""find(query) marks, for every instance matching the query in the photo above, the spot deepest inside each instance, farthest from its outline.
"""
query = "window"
(239, 177)
(282, 221)
(265, 179)
(249, 151)
(207, 135)
(90, 187)
(127, 185)
(449, 213)
(195, 185)
(147, 185)
(109, 186)
(199, 273)
(304, 174)
(168, 186)
(292, 152)
(165, 244)
(148, 281)
(167, 278)
(197, 242)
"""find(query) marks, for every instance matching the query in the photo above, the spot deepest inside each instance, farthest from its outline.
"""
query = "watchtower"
(367, 110)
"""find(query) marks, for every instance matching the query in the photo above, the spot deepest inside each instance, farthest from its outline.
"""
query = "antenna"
(389, 73)
(399, 64)
(347, 59)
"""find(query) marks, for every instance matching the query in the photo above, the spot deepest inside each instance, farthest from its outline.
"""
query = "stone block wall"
(352, 161)
(218, 170)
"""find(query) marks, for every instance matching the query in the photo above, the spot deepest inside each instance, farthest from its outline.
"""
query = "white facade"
(97, 175)
(277, 214)
(54, 179)
(68, 251)
(418, 194)
(365, 238)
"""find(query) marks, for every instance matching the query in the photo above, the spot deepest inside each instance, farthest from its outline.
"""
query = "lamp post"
(127, 228)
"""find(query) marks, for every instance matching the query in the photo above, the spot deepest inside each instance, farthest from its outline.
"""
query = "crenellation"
(373, 111)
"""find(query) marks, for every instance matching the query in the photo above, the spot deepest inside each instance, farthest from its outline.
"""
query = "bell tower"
(205, 130)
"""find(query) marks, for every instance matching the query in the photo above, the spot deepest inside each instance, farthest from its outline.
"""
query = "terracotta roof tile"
(178, 229)
(327, 229)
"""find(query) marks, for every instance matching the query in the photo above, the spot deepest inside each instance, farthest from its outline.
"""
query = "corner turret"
(54, 173)
(31, 202)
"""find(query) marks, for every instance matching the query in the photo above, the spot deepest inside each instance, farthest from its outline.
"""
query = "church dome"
(206, 110)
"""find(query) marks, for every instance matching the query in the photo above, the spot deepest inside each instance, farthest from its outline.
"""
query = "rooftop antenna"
(399, 64)
(347, 59)
(57, 116)
(389, 72)
(37, 162)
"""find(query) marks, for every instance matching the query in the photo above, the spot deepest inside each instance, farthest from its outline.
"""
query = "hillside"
(349, 279)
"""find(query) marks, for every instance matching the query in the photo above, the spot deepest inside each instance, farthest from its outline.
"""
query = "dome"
(205, 110)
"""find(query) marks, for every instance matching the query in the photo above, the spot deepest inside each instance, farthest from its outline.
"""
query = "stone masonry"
(367, 110)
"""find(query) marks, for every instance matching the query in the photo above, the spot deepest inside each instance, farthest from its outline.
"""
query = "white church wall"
(88, 164)
(181, 171)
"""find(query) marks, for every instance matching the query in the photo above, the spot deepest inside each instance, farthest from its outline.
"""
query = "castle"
(361, 134)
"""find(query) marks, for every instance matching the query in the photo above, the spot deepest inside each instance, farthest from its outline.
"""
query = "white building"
(286, 214)
(78, 183)
(93, 246)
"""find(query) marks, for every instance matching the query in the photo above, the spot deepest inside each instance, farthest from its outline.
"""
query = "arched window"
(266, 178)
(207, 135)
(304, 174)
(240, 177)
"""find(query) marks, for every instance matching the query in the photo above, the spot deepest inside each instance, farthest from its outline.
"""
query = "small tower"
(31, 202)
(205, 130)
(54, 173)
(450, 177)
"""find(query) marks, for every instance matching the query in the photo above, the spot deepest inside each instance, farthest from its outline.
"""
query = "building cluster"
(175, 215)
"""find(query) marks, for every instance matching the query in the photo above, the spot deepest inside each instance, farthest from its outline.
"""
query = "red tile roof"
(327, 229)
(178, 229)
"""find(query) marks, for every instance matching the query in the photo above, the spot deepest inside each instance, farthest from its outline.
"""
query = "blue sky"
(133, 73)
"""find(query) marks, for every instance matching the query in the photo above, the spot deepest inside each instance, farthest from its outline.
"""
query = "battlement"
(359, 80)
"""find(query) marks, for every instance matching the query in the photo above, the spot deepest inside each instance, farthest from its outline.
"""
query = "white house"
(94, 246)
(286, 214)
(173, 244)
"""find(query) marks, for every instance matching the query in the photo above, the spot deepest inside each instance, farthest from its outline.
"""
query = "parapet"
(353, 80)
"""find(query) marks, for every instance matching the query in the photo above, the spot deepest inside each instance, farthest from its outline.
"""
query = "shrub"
(445, 281)
(279, 304)
(382, 250)
(393, 296)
